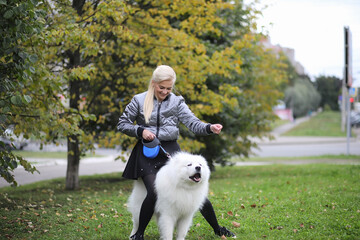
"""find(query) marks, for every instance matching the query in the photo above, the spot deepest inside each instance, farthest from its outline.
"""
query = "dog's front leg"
(166, 225)
(183, 226)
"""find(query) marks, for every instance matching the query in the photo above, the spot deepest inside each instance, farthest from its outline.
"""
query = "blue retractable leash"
(152, 149)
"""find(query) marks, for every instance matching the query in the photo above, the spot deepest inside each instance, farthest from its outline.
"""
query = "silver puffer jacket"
(164, 120)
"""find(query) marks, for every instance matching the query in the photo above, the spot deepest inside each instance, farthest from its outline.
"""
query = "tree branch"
(20, 115)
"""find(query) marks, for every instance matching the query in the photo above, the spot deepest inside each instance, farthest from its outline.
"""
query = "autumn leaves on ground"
(260, 202)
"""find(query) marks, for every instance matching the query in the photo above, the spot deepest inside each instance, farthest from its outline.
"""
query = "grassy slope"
(323, 124)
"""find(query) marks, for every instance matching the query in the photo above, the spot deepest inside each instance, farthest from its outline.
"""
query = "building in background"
(280, 110)
(289, 52)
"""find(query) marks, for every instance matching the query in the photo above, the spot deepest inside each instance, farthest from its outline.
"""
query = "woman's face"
(162, 89)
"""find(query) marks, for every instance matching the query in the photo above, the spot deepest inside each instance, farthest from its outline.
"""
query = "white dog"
(181, 186)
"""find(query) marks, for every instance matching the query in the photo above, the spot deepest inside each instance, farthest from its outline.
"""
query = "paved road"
(307, 146)
(280, 147)
(56, 168)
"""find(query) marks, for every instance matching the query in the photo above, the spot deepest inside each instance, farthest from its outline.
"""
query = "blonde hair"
(161, 73)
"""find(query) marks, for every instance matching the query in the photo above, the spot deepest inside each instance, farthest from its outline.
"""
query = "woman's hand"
(147, 135)
(216, 128)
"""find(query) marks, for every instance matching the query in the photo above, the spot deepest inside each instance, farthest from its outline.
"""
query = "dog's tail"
(135, 200)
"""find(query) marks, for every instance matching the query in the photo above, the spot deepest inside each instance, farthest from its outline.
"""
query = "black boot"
(224, 231)
(137, 237)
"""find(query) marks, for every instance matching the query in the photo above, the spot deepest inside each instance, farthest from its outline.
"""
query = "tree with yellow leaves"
(102, 52)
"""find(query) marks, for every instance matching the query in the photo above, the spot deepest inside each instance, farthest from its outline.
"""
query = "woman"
(157, 113)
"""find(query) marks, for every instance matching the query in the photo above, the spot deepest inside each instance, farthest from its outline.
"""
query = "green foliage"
(95, 55)
(314, 201)
(302, 97)
(329, 88)
(20, 21)
(249, 79)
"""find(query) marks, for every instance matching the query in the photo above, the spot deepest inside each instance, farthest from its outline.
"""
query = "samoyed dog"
(182, 187)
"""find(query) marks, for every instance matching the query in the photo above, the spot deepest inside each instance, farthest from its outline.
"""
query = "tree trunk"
(73, 155)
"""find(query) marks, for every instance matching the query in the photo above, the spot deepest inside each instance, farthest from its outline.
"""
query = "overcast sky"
(315, 29)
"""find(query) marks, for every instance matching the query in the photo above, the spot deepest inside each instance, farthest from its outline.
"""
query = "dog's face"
(193, 169)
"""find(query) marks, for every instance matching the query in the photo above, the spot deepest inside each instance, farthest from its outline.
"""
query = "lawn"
(316, 201)
(43, 154)
(326, 123)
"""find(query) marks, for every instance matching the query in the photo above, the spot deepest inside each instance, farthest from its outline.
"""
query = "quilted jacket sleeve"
(126, 121)
(188, 118)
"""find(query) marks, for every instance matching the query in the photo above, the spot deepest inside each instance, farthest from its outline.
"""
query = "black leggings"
(148, 205)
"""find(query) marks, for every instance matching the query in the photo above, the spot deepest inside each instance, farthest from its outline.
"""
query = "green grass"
(326, 123)
(42, 154)
(270, 202)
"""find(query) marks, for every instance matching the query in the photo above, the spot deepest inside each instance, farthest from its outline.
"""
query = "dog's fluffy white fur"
(181, 186)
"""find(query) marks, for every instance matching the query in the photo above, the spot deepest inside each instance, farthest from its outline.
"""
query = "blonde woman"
(158, 113)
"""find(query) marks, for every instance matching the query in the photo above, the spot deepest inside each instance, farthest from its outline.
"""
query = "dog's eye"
(190, 164)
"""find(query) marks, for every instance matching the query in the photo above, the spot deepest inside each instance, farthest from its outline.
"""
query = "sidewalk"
(56, 168)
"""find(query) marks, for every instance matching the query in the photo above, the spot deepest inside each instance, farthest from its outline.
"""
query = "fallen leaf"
(311, 227)
(253, 205)
(100, 225)
(236, 224)
(295, 230)
(302, 225)
(230, 213)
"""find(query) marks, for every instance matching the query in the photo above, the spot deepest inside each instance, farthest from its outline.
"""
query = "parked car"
(14, 145)
(10, 141)
(355, 119)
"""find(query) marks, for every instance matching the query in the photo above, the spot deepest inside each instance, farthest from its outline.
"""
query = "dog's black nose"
(198, 168)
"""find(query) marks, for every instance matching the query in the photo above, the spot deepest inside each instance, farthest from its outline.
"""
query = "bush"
(302, 97)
